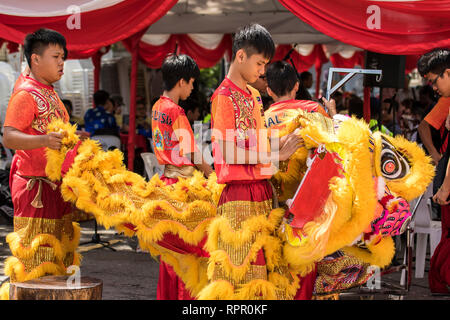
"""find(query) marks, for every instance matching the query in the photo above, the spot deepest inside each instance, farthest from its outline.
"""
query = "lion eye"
(393, 163)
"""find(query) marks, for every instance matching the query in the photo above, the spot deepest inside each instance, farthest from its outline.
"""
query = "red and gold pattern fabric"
(173, 138)
(31, 108)
(237, 116)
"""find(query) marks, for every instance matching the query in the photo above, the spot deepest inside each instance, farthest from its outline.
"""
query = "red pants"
(439, 275)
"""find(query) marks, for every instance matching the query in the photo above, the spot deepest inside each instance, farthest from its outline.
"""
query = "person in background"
(306, 82)
(261, 85)
(143, 122)
(99, 121)
(339, 99)
(356, 107)
(387, 115)
(118, 105)
(73, 119)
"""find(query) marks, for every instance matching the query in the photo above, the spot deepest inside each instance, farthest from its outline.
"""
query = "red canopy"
(97, 28)
(90, 30)
(154, 55)
(407, 27)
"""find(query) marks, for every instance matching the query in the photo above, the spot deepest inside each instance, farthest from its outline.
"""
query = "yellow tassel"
(379, 255)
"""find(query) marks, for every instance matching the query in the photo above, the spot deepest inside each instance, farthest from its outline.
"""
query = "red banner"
(407, 27)
(91, 29)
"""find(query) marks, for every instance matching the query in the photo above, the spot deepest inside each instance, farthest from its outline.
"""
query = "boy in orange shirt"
(283, 85)
(435, 67)
(40, 214)
(242, 160)
(176, 149)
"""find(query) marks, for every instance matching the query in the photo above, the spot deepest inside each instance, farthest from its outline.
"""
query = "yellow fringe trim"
(282, 283)
(256, 290)
(379, 255)
(190, 268)
(156, 233)
(4, 291)
(217, 290)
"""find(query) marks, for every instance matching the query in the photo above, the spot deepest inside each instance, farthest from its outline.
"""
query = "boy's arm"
(232, 154)
(425, 136)
(443, 192)
(17, 140)
(202, 166)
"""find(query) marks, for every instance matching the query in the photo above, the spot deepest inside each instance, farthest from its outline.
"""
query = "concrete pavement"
(129, 274)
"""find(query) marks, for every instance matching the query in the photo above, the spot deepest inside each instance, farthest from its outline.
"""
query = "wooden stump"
(56, 288)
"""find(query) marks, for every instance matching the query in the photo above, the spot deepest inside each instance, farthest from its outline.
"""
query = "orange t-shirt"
(237, 116)
(437, 116)
(172, 133)
(277, 111)
(31, 108)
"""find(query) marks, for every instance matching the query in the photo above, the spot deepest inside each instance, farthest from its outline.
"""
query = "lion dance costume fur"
(366, 206)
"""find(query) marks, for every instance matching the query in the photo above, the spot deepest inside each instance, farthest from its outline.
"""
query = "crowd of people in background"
(401, 112)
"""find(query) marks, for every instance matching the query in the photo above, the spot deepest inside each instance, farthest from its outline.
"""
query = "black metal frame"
(97, 240)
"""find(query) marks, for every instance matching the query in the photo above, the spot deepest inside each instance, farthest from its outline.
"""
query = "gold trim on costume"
(171, 171)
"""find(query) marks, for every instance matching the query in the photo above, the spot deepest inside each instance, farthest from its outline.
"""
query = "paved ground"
(128, 274)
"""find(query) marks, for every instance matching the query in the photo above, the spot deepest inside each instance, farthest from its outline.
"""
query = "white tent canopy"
(226, 16)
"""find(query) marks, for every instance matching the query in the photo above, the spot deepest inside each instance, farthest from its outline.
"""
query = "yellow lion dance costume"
(97, 182)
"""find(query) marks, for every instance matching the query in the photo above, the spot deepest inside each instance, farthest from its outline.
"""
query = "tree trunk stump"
(56, 288)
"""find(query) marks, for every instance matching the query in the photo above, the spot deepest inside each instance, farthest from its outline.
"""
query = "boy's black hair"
(37, 41)
(100, 97)
(253, 38)
(177, 67)
(281, 78)
(190, 104)
(435, 61)
(356, 107)
(305, 75)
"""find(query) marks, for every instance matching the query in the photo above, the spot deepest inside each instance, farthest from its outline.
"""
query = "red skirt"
(439, 275)
(259, 191)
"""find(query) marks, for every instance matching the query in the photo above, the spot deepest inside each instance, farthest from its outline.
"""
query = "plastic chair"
(152, 166)
(423, 226)
(108, 142)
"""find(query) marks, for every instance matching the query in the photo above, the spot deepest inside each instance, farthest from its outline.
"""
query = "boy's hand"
(53, 140)
(289, 145)
(447, 122)
(330, 105)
